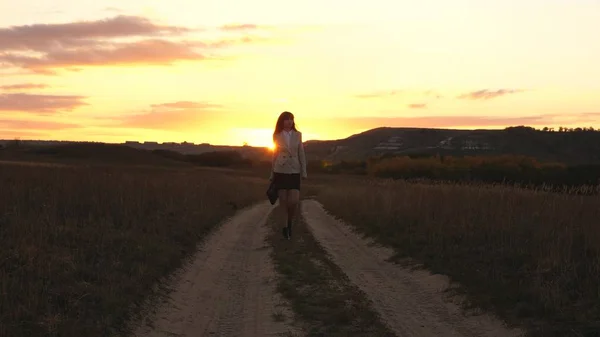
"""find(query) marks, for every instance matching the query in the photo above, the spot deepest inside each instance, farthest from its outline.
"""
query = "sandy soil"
(228, 289)
(411, 303)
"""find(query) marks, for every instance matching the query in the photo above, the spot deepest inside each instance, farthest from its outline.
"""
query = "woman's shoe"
(285, 233)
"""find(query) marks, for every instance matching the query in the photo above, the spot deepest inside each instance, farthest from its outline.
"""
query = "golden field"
(82, 247)
(533, 257)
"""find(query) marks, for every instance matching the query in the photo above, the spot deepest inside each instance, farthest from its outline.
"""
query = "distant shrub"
(219, 159)
(510, 169)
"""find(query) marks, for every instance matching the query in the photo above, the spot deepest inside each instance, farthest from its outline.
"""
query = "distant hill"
(571, 147)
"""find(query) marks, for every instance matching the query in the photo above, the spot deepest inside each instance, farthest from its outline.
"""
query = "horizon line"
(145, 142)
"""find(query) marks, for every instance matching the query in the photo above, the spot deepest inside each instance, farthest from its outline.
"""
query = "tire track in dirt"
(228, 289)
(410, 302)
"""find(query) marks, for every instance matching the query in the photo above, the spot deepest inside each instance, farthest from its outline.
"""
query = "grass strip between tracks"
(321, 295)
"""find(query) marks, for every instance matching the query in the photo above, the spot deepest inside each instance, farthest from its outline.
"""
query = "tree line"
(501, 169)
(505, 169)
(211, 159)
(555, 129)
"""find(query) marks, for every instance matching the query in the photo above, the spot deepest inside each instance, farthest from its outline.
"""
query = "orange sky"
(221, 73)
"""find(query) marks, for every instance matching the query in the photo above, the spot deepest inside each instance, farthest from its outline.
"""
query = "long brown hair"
(282, 117)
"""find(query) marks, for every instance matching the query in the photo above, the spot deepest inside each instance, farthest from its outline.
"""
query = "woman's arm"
(302, 157)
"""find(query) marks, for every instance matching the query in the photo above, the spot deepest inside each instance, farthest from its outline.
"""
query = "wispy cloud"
(12, 134)
(426, 94)
(379, 94)
(41, 37)
(172, 116)
(23, 86)
(433, 93)
(418, 106)
(35, 125)
(40, 104)
(446, 121)
(183, 105)
(488, 94)
(43, 48)
(113, 9)
(470, 121)
(236, 27)
(585, 117)
(162, 53)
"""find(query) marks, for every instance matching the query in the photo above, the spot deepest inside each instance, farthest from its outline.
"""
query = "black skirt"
(286, 181)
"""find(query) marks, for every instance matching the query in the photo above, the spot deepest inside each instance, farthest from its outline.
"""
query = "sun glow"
(416, 67)
(252, 136)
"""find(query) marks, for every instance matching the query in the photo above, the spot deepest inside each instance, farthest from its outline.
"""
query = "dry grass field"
(82, 247)
(85, 245)
(532, 257)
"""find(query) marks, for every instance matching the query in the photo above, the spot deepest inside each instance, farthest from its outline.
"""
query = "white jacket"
(289, 158)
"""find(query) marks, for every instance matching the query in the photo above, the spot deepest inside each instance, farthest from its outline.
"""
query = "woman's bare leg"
(293, 198)
(283, 204)
(283, 209)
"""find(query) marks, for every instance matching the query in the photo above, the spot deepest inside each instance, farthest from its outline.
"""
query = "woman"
(289, 167)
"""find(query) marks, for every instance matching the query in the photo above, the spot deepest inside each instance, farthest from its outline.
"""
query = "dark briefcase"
(272, 193)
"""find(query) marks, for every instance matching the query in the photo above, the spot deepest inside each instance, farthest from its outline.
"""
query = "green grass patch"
(321, 295)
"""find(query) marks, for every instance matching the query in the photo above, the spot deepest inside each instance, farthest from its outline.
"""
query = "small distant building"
(446, 143)
(475, 145)
(336, 148)
(393, 143)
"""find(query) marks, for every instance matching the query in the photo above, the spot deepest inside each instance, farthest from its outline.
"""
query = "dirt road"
(228, 289)
(410, 303)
